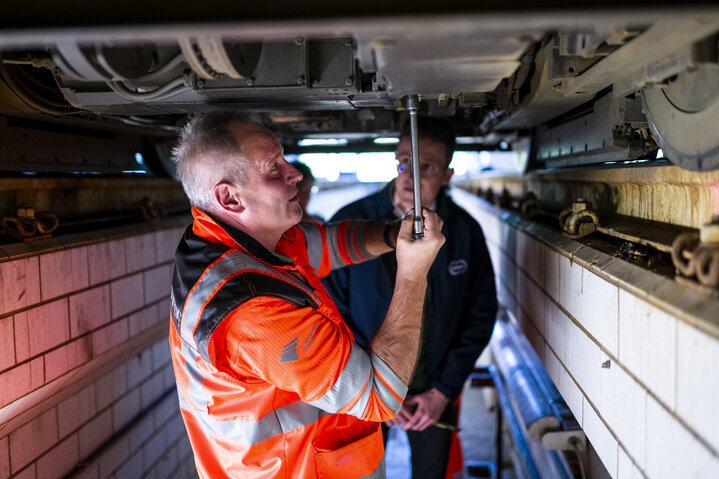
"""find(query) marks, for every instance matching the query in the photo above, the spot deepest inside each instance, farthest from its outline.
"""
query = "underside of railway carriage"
(603, 227)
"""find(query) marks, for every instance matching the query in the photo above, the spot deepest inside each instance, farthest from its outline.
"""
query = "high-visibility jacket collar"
(216, 231)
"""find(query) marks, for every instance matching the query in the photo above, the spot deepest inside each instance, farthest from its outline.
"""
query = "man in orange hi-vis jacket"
(270, 380)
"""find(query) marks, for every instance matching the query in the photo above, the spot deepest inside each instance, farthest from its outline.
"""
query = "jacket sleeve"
(476, 325)
(300, 350)
(333, 245)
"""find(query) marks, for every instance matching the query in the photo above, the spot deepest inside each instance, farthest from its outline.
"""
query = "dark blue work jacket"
(461, 284)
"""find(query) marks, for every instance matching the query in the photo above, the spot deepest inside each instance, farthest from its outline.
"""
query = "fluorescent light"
(322, 142)
(386, 141)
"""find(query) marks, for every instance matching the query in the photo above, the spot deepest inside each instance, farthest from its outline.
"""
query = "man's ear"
(228, 198)
(447, 176)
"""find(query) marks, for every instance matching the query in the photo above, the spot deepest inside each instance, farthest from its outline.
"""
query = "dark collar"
(252, 246)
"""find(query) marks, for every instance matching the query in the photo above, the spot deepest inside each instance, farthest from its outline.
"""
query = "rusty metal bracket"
(579, 220)
(531, 208)
(27, 226)
(697, 254)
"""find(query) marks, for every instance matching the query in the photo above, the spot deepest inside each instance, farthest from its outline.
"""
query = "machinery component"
(614, 130)
(683, 115)
(697, 254)
(531, 208)
(211, 57)
(579, 220)
(539, 420)
(27, 226)
(417, 224)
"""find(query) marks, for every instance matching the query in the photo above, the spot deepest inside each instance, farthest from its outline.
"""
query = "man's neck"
(266, 238)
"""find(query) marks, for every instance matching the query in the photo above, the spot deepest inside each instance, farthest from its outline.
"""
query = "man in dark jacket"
(460, 304)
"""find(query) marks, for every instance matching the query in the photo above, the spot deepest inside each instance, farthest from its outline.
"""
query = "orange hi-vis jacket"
(270, 380)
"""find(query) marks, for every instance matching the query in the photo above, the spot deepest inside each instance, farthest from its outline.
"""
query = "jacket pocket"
(360, 458)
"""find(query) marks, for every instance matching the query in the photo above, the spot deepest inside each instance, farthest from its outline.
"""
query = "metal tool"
(417, 225)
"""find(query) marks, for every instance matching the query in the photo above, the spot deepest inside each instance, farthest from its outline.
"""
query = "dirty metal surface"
(665, 194)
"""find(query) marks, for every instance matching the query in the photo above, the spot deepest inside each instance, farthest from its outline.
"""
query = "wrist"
(387, 235)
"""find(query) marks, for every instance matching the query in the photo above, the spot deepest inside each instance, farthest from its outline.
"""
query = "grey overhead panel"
(430, 66)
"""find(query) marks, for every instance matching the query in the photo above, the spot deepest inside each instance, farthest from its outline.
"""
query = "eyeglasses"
(426, 170)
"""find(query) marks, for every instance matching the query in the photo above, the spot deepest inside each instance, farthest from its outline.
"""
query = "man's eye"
(276, 166)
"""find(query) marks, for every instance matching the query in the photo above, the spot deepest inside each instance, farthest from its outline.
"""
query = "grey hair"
(207, 153)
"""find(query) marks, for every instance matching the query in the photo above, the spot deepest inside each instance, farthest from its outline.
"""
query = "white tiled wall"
(61, 309)
(651, 410)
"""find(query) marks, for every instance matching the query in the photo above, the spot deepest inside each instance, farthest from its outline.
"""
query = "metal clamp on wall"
(697, 254)
(27, 226)
(579, 220)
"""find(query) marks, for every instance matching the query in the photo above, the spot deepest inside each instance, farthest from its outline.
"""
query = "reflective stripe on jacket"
(270, 380)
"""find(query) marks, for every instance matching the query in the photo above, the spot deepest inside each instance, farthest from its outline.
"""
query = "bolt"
(349, 81)
(315, 82)
(299, 41)
(250, 81)
(348, 42)
(580, 204)
(709, 232)
(200, 84)
(301, 80)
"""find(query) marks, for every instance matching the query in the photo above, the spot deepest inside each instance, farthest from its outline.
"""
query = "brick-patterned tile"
(145, 318)
(127, 295)
(556, 332)
(20, 280)
(647, 345)
(111, 386)
(31, 440)
(168, 408)
(20, 380)
(160, 353)
(140, 252)
(531, 333)
(599, 310)
(60, 460)
(27, 473)
(571, 393)
(166, 242)
(76, 410)
(551, 364)
(530, 257)
(154, 449)
(89, 471)
(63, 272)
(570, 286)
(141, 432)
(67, 357)
(89, 310)
(40, 329)
(114, 457)
(139, 367)
(151, 389)
(125, 409)
(601, 439)
(106, 261)
(132, 467)
(108, 337)
(625, 467)
(7, 343)
(551, 272)
(157, 283)
(622, 403)
(508, 272)
(531, 299)
(584, 361)
(4, 458)
(697, 391)
(672, 451)
(93, 434)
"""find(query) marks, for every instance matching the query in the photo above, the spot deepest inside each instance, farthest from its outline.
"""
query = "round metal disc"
(684, 118)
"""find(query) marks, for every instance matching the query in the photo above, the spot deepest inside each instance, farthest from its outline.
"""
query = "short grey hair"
(207, 153)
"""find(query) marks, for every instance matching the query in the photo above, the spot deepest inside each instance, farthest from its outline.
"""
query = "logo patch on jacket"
(289, 352)
(457, 267)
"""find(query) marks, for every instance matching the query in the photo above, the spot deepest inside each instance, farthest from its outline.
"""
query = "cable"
(575, 447)
(171, 88)
(167, 68)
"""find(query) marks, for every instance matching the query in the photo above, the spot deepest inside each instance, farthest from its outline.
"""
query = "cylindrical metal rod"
(417, 225)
